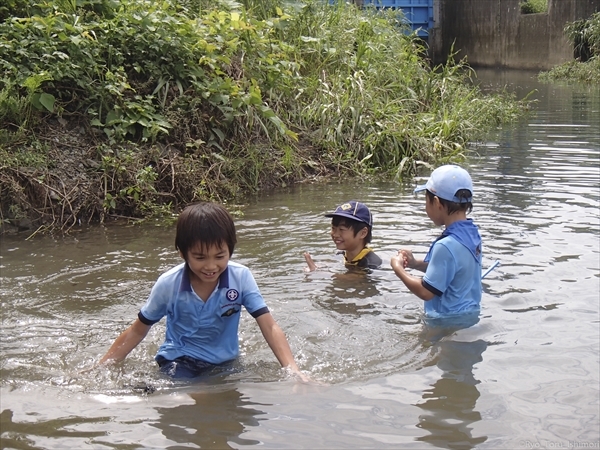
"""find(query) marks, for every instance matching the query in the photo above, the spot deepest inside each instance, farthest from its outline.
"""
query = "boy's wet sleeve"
(441, 268)
(253, 300)
(157, 302)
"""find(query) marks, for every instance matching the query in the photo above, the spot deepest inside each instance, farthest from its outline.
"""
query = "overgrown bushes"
(129, 108)
(584, 35)
(534, 6)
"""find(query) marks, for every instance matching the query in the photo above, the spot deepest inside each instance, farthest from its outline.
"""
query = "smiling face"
(206, 264)
(344, 238)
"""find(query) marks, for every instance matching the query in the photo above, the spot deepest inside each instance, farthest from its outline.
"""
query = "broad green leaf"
(112, 117)
(47, 101)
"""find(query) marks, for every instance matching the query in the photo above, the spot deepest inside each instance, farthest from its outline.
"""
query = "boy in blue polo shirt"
(452, 281)
(202, 299)
(351, 231)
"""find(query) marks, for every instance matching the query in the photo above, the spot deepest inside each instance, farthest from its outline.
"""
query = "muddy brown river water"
(526, 376)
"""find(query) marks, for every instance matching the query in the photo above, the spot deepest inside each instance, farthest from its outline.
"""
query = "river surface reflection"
(526, 375)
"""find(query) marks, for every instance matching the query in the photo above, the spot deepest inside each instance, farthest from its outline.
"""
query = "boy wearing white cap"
(452, 281)
(351, 231)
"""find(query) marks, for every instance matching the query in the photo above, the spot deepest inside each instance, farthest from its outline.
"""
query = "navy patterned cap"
(353, 210)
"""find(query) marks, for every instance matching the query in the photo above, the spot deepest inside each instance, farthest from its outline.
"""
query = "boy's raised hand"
(309, 261)
(403, 260)
(398, 262)
(408, 260)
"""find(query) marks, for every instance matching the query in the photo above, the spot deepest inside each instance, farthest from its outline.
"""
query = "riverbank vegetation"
(534, 6)
(584, 35)
(131, 108)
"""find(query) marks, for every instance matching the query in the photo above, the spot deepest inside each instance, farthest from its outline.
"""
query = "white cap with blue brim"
(446, 181)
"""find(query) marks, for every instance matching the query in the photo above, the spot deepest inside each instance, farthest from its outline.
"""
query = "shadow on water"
(449, 404)
(216, 420)
(15, 434)
(352, 292)
(197, 416)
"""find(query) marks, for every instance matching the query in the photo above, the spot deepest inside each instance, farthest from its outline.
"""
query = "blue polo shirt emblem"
(232, 295)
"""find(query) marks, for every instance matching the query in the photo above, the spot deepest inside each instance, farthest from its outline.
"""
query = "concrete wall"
(494, 33)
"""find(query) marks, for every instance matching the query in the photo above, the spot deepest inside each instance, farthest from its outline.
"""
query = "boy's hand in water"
(301, 376)
(86, 370)
(96, 366)
(309, 261)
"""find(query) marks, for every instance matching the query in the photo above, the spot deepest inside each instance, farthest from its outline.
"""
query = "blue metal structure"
(418, 13)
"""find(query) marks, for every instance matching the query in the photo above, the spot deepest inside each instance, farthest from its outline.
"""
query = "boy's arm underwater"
(126, 342)
(414, 284)
(276, 339)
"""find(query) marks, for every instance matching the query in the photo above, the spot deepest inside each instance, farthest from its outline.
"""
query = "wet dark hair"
(207, 224)
(453, 207)
(355, 225)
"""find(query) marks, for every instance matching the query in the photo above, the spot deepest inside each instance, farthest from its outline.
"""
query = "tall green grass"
(369, 97)
(219, 98)
(584, 35)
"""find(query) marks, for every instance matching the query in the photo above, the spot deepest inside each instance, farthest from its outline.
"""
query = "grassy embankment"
(534, 6)
(585, 37)
(132, 108)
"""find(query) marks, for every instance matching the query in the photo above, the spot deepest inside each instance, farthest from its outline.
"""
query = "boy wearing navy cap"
(351, 231)
(452, 281)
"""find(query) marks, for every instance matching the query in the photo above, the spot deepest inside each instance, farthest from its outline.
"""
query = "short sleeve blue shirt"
(454, 275)
(207, 331)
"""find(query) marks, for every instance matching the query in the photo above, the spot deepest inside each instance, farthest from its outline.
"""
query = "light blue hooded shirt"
(454, 271)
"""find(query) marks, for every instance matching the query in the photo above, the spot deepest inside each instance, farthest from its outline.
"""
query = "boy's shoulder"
(232, 265)
(369, 259)
(374, 260)
(172, 275)
(447, 241)
(237, 270)
(455, 249)
(173, 272)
